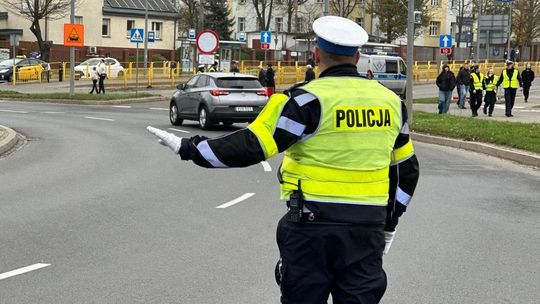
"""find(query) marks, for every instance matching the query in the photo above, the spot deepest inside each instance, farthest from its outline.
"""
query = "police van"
(384, 66)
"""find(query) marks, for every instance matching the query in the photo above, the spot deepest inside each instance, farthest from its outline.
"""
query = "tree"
(526, 21)
(463, 9)
(217, 18)
(263, 9)
(37, 10)
(189, 15)
(392, 16)
(347, 8)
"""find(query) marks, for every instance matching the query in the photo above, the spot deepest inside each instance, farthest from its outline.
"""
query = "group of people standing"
(472, 81)
(267, 78)
(98, 74)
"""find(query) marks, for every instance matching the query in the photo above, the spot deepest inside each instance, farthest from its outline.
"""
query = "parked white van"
(387, 68)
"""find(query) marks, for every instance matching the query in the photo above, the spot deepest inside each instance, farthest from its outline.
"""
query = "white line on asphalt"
(98, 118)
(123, 107)
(15, 272)
(178, 130)
(53, 112)
(266, 166)
(160, 109)
(13, 111)
(236, 200)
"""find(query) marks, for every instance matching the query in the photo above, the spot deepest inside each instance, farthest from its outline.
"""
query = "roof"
(161, 9)
(219, 75)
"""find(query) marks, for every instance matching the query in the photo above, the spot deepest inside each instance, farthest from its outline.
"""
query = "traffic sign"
(445, 41)
(266, 37)
(242, 36)
(74, 35)
(445, 51)
(207, 42)
(265, 46)
(151, 36)
(137, 35)
(192, 33)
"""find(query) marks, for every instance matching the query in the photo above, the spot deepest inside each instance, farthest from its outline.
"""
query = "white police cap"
(339, 35)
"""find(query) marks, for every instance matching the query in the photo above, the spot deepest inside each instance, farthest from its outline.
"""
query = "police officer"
(510, 80)
(213, 68)
(348, 173)
(491, 92)
(477, 88)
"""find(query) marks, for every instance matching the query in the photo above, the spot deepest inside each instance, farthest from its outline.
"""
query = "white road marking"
(15, 272)
(99, 118)
(53, 112)
(159, 109)
(122, 107)
(266, 166)
(13, 111)
(236, 200)
(178, 130)
(503, 107)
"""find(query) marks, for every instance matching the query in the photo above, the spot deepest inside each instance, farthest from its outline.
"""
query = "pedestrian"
(270, 82)
(505, 55)
(213, 68)
(477, 90)
(201, 68)
(510, 80)
(491, 92)
(262, 76)
(348, 172)
(310, 74)
(102, 74)
(513, 55)
(446, 82)
(517, 55)
(94, 77)
(311, 62)
(234, 67)
(463, 82)
(527, 76)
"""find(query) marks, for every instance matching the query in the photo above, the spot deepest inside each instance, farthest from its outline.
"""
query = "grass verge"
(74, 97)
(512, 134)
(426, 100)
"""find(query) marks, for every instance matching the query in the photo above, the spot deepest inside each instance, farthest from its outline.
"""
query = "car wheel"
(174, 115)
(204, 121)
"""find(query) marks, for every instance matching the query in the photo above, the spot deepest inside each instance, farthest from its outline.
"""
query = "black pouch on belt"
(296, 205)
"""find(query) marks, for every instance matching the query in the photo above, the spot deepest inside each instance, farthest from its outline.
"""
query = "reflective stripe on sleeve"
(402, 197)
(405, 129)
(303, 99)
(208, 154)
(291, 126)
(402, 153)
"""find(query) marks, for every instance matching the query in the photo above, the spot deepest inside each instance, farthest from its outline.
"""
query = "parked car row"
(86, 68)
(26, 68)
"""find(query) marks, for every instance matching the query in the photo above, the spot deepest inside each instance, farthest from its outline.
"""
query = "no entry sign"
(207, 42)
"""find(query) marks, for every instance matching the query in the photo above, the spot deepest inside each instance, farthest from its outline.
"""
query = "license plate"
(244, 109)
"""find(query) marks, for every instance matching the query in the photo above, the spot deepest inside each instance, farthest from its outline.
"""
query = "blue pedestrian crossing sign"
(266, 37)
(192, 33)
(445, 41)
(137, 35)
(151, 36)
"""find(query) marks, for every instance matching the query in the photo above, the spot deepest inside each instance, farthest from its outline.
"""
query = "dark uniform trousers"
(319, 258)
(476, 101)
(489, 101)
(509, 98)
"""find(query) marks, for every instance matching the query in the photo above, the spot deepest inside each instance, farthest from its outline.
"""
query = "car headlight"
(4, 70)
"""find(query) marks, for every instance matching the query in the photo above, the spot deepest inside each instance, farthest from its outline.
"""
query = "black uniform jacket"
(242, 148)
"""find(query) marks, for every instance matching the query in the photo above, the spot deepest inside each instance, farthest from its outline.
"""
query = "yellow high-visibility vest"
(510, 83)
(477, 81)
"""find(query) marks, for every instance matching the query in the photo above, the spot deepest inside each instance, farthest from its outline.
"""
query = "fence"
(169, 73)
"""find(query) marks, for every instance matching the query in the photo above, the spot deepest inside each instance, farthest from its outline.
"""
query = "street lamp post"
(72, 55)
(410, 58)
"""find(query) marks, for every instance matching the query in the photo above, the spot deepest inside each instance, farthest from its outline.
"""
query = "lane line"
(53, 112)
(14, 111)
(178, 130)
(266, 166)
(19, 271)
(122, 107)
(159, 109)
(236, 200)
(99, 118)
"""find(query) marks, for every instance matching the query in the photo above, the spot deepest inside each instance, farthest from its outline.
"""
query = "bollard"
(61, 72)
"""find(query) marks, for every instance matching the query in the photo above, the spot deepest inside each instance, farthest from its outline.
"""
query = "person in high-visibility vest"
(511, 81)
(491, 92)
(348, 172)
(477, 89)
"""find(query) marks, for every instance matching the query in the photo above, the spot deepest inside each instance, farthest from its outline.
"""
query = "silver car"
(212, 98)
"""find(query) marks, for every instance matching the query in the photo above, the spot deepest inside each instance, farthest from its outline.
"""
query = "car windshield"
(238, 83)
(9, 62)
(93, 61)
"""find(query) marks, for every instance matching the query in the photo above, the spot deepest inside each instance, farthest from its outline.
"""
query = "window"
(129, 25)
(156, 28)
(203, 82)
(191, 83)
(299, 24)
(319, 1)
(391, 66)
(360, 21)
(78, 20)
(241, 24)
(279, 24)
(434, 28)
(106, 28)
(402, 67)
(435, 2)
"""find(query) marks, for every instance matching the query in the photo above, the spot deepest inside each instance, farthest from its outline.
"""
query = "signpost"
(445, 51)
(242, 36)
(266, 37)
(265, 46)
(151, 37)
(207, 42)
(192, 34)
(136, 36)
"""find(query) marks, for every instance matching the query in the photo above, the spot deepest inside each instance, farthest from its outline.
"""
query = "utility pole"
(509, 27)
(201, 16)
(478, 33)
(325, 10)
(410, 59)
(341, 7)
(145, 35)
(72, 54)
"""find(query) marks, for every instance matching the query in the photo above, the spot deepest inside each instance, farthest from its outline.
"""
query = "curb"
(8, 141)
(91, 102)
(522, 157)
